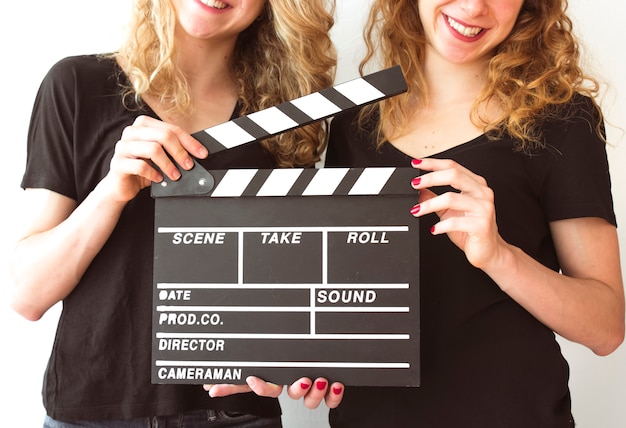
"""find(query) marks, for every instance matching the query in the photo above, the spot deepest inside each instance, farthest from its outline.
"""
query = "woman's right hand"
(146, 150)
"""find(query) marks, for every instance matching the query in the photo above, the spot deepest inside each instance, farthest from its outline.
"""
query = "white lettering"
(281, 237)
(367, 238)
(209, 345)
(175, 295)
(189, 319)
(346, 296)
(199, 373)
(199, 238)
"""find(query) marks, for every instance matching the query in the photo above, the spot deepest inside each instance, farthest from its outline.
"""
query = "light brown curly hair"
(534, 71)
(285, 54)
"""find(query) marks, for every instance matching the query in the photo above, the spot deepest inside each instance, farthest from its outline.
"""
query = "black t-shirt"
(100, 364)
(485, 361)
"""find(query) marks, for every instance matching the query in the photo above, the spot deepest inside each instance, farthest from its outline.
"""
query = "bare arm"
(585, 303)
(57, 245)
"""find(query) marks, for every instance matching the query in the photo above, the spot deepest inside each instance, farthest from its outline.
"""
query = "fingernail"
(416, 209)
(416, 181)
(416, 162)
(188, 164)
(320, 385)
(202, 153)
(337, 390)
(432, 229)
(304, 385)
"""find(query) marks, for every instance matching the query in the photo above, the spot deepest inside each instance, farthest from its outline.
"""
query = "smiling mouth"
(215, 4)
(462, 29)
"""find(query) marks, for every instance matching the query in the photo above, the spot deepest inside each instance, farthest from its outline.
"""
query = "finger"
(316, 393)
(223, 390)
(445, 172)
(138, 168)
(474, 226)
(299, 388)
(335, 395)
(442, 204)
(188, 143)
(263, 388)
(133, 148)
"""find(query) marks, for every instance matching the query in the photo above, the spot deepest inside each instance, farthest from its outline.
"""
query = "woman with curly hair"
(103, 128)
(518, 235)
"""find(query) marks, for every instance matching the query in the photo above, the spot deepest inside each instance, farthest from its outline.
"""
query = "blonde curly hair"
(285, 54)
(534, 71)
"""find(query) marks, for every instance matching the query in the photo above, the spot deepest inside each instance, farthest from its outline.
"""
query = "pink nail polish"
(320, 385)
(416, 209)
(416, 181)
(416, 162)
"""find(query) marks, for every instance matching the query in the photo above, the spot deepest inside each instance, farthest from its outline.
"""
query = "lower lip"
(460, 36)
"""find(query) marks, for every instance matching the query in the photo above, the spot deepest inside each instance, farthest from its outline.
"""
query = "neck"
(206, 65)
(453, 83)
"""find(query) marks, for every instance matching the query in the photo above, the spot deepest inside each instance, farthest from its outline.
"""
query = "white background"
(35, 34)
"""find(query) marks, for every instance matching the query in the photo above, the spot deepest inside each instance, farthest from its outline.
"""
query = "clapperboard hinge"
(282, 118)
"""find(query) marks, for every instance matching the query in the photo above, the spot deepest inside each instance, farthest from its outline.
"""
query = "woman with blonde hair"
(103, 128)
(518, 236)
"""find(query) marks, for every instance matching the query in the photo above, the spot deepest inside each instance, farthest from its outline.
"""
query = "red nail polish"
(416, 181)
(416, 209)
(337, 390)
(416, 162)
(320, 385)
(432, 229)
(304, 385)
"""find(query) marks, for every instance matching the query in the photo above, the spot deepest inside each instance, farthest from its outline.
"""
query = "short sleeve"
(578, 182)
(49, 160)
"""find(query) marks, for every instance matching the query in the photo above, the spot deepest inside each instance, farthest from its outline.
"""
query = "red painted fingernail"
(416, 162)
(416, 181)
(432, 229)
(304, 385)
(416, 209)
(320, 385)
(337, 390)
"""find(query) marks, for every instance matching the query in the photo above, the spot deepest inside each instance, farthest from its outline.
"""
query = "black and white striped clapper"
(304, 110)
(286, 273)
(310, 182)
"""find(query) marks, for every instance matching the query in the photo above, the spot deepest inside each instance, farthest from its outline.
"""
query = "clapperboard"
(286, 273)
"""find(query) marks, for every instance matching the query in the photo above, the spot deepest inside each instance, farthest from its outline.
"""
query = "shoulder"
(83, 64)
(80, 72)
(580, 110)
(83, 77)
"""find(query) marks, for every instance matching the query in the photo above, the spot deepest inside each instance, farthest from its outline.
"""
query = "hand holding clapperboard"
(291, 272)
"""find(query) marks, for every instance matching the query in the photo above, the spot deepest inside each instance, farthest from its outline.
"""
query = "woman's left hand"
(312, 392)
(468, 216)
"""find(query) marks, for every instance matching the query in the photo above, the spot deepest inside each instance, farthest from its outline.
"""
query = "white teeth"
(216, 4)
(462, 29)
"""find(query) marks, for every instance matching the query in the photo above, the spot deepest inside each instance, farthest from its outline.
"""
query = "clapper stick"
(304, 110)
(281, 118)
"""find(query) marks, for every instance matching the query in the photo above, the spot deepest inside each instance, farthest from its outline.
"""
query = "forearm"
(47, 265)
(583, 310)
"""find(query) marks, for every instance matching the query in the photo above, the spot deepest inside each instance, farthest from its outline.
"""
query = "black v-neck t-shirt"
(486, 361)
(100, 365)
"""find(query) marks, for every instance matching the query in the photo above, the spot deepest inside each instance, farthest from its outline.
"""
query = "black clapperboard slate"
(287, 273)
